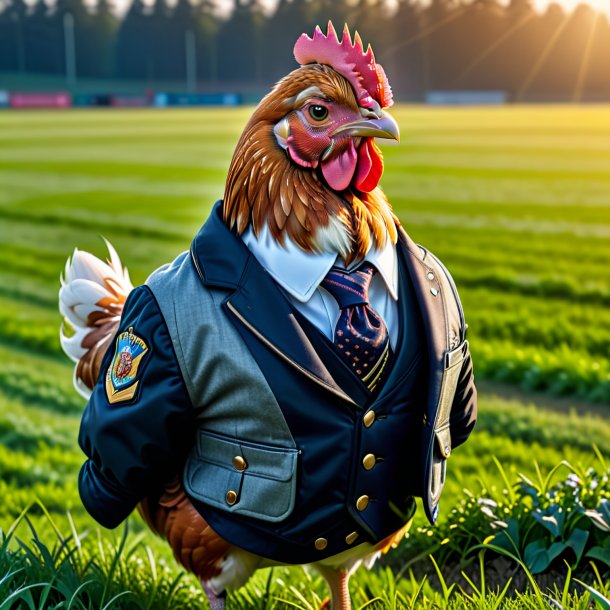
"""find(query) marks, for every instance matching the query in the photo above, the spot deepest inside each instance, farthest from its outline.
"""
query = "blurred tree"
(521, 48)
(570, 54)
(206, 39)
(401, 53)
(443, 29)
(12, 36)
(477, 54)
(177, 29)
(240, 43)
(71, 18)
(598, 81)
(549, 79)
(444, 44)
(132, 58)
(41, 39)
(370, 18)
(290, 19)
(339, 11)
(157, 36)
(517, 9)
(103, 28)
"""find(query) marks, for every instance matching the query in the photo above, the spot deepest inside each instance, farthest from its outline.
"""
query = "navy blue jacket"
(136, 447)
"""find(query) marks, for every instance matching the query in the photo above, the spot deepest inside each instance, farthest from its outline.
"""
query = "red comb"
(348, 59)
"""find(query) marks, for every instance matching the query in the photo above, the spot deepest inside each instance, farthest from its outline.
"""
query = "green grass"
(516, 202)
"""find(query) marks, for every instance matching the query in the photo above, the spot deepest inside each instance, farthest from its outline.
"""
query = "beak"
(384, 127)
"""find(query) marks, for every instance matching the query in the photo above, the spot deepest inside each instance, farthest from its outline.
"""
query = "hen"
(304, 176)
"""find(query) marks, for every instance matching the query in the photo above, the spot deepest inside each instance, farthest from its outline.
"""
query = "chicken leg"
(337, 580)
(217, 602)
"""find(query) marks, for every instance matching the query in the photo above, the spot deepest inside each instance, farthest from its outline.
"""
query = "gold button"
(321, 544)
(351, 538)
(369, 418)
(368, 461)
(362, 502)
(231, 497)
(239, 463)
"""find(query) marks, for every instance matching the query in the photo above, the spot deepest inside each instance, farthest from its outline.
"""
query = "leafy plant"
(539, 524)
(568, 519)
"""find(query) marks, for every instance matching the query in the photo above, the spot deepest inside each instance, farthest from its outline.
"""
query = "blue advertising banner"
(91, 99)
(197, 99)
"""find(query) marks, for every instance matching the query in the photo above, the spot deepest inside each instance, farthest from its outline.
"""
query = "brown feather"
(285, 195)
(264, 186)
(194, 543)
(103, 325)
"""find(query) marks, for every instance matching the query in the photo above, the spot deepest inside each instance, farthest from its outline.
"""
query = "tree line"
(442, 45)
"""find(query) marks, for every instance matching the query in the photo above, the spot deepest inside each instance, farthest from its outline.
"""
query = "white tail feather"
(90, 286)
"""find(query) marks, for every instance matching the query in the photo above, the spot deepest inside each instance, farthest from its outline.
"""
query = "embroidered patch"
(121, 377)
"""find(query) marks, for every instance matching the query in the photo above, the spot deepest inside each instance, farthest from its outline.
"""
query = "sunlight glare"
(570, 5)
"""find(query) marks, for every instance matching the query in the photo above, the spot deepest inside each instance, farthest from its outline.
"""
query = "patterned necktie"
(361, 336)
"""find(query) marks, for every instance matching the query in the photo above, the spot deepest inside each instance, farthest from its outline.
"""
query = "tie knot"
(349, 288)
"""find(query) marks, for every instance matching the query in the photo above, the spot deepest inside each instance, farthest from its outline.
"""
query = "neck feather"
(265, 187)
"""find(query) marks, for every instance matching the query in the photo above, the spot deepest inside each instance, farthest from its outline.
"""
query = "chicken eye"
(317, 112)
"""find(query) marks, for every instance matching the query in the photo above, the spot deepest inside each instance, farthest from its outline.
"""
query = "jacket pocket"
(243, 477)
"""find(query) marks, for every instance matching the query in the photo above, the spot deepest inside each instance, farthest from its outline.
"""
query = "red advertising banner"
(129, 101)
(59, 99)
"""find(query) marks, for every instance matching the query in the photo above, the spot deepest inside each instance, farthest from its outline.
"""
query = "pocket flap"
(268, 461)
(443, 438)
(260, 478)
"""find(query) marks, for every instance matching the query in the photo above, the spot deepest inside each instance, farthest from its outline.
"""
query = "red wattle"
(370, 166)
(338, 171)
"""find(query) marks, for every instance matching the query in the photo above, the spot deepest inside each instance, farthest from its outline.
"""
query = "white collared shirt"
(300, 273)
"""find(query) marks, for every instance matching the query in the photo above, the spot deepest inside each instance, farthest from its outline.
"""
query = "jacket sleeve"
(464, 408)
(136, 433)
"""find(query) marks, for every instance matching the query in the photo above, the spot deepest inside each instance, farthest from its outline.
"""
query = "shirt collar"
(299, 273)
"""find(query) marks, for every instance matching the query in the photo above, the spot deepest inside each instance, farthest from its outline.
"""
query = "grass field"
(515, 201)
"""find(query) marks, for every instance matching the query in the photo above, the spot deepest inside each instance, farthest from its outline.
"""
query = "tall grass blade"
(447, 590)
(115, 562)
(19, 594)
(74, 598)
(602, 601)
(115, 598)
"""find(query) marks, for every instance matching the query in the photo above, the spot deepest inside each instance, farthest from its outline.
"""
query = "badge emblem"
(121, 377)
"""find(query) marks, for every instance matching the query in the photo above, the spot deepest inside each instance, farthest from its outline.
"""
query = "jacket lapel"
(222, 260)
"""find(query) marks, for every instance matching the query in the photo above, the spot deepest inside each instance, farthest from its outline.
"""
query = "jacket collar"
(218, 253)
(223, 260)
(299, 273)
